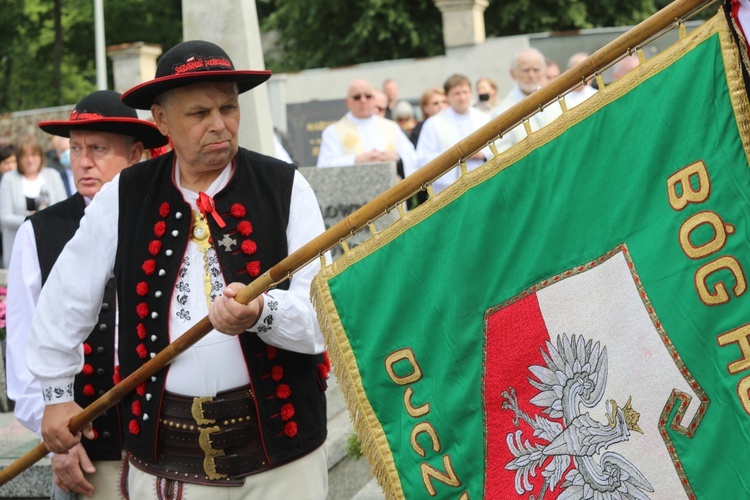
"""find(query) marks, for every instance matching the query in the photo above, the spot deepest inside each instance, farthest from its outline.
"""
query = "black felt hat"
(190, 62)
(103, 111)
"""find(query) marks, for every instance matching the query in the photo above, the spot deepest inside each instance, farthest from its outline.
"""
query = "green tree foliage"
(535, 16)
(41, 66)
(329, 33)
(33, 74)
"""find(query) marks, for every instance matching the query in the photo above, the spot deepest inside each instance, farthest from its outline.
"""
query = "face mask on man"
(65, 158)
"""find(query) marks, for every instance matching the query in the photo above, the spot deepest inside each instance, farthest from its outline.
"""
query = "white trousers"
(303, 479)
(106, 482)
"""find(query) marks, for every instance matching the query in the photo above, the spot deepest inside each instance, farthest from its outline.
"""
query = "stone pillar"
(233, 25)
(463, 21)
(133, 63)
(277, 95)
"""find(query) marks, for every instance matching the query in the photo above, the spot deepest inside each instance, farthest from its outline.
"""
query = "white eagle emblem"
(575, 375)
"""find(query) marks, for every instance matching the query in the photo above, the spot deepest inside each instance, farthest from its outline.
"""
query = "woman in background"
(487, 94)
(433, 101)
(23, 191)
(7, 156)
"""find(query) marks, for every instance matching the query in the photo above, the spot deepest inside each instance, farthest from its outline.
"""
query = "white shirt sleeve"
(10, 199)
(407, 153)
(428, 145)
(54, 352)
(24, 285)
(331, 151)
(288, 320)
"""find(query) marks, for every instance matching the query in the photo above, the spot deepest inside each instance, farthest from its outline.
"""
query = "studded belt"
(208, 440)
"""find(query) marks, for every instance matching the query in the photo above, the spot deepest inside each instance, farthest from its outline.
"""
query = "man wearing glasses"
(106, 136)
(363, 137)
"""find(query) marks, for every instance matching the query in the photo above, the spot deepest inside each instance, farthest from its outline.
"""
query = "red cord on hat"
(206, 205)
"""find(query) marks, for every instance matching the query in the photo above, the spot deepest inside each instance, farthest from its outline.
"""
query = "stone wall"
(13, 125)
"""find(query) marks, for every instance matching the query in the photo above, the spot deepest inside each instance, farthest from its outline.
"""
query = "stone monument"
(342, 190)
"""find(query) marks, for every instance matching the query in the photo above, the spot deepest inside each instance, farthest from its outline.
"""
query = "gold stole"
(351, 143)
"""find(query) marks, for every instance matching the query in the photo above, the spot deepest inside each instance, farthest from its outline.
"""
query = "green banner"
(571, 320)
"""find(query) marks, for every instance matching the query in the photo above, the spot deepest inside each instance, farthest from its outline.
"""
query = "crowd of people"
(368, 132)
(38, 178)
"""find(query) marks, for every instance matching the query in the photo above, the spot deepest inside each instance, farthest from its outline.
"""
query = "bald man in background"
(529, 72)
(361, 136)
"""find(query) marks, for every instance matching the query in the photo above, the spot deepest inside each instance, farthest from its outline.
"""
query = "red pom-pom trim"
(154, 247)
(136, 408)
(238, 210)
(283, 391)
(149, 267)
(142, 351)
(245, 228)
(270, 351)
(87, 369)
(141, 288)
(323, 371)
(164, 209)
(86, 349)
(160, 228)
(277, 373)
(290, 429)
(88, 390)
(253, 268)
(141, 330)
(248, 247)
(134, 428)
(116, 377)
(142, 310)
(141, 389)
(326, 359)
(287, 412)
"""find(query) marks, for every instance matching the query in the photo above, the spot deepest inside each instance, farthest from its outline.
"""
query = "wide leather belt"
(208, 440)
(220, 439)
(234, 404)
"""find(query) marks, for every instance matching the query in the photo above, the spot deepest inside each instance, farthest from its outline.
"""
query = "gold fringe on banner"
(599, 81)
(366, 424)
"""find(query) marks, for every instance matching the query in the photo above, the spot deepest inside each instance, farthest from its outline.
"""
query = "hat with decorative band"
(103, 111)
(193, 61)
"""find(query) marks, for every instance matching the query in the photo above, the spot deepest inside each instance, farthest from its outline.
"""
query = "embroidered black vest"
(154, 231)
(53, 228)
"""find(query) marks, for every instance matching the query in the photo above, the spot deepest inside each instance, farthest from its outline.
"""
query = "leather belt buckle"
(197, 410)
(204, 440)
(209, 467)
(209, 463)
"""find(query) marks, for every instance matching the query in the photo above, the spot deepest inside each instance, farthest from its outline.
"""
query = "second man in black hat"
(106, 136)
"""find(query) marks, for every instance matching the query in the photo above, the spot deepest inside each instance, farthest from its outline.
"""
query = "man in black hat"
(106, 136)
(182, 234)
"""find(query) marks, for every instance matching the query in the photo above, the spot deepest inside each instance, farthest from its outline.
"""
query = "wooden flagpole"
(380, 205)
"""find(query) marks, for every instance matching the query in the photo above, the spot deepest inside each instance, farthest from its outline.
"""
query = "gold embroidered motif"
(350, 141)
(201, 235)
